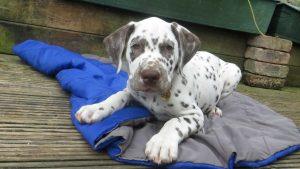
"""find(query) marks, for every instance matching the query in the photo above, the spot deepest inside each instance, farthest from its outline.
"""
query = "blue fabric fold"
(90, 81)
(87, 80)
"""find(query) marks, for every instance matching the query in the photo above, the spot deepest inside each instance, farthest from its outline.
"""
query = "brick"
(267, 55)
(263, 81)
(266, 69)
(270, 42)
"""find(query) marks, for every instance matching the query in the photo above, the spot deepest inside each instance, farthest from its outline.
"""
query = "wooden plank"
(68, 15)
(14, 78)
(293, 78)
(219, 41)
(70, 164)
(14, 33)
(239, 61)
(295, 55)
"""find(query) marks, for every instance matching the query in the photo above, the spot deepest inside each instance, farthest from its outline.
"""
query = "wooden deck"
(36, 130)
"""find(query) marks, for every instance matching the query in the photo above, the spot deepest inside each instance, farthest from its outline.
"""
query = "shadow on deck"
(36, 130)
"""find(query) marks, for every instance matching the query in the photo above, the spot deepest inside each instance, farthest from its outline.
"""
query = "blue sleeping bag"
(90, 81)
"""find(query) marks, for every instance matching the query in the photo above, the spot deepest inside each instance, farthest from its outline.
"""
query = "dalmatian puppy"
(170, 77)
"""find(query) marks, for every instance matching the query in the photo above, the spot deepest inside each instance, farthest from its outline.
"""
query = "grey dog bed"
(249, 133)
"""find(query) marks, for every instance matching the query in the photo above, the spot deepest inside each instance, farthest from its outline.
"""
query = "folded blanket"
(248, 135)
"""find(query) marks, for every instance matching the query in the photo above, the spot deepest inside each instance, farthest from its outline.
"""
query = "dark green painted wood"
(286, 23)
(229, 14)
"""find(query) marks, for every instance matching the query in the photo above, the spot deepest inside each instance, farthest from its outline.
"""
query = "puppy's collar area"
(166, 95)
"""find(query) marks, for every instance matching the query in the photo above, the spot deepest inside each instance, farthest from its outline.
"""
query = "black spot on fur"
(185, 105)
(198, 74)
(112, 107)
(123, 101)
(154, 99)
(154, 40)
(178, 91)
(144, 98)
(215, 87)
(196, 122)
(176, 94)
(171, 105)
(195, 76)
(207, 109)
(203, 106)
(217, 98)
(179, 120)
(190, 93)
(101, 108)
(179, 132)
(194, 107)
(183, 81)
(189, 131)
(187, 120)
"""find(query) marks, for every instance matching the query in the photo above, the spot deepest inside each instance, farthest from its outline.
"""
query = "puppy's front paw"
(91, 113)
(161, 149)
(216, 112)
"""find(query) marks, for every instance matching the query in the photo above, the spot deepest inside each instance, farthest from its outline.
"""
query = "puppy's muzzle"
(150, 76)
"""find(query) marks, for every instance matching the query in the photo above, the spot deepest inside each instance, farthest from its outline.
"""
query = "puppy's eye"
(136, 46)
(167, 47)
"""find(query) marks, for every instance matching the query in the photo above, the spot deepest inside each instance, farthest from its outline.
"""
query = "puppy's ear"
(115, 43)
(188, 44)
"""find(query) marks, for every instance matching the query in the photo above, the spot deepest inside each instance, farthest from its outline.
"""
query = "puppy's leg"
(231, 75)
(163, 147)
(96, 112)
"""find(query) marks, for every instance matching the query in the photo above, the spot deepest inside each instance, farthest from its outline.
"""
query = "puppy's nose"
(150, 76)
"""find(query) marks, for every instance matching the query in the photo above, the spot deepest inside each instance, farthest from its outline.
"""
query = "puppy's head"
(154, 50)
